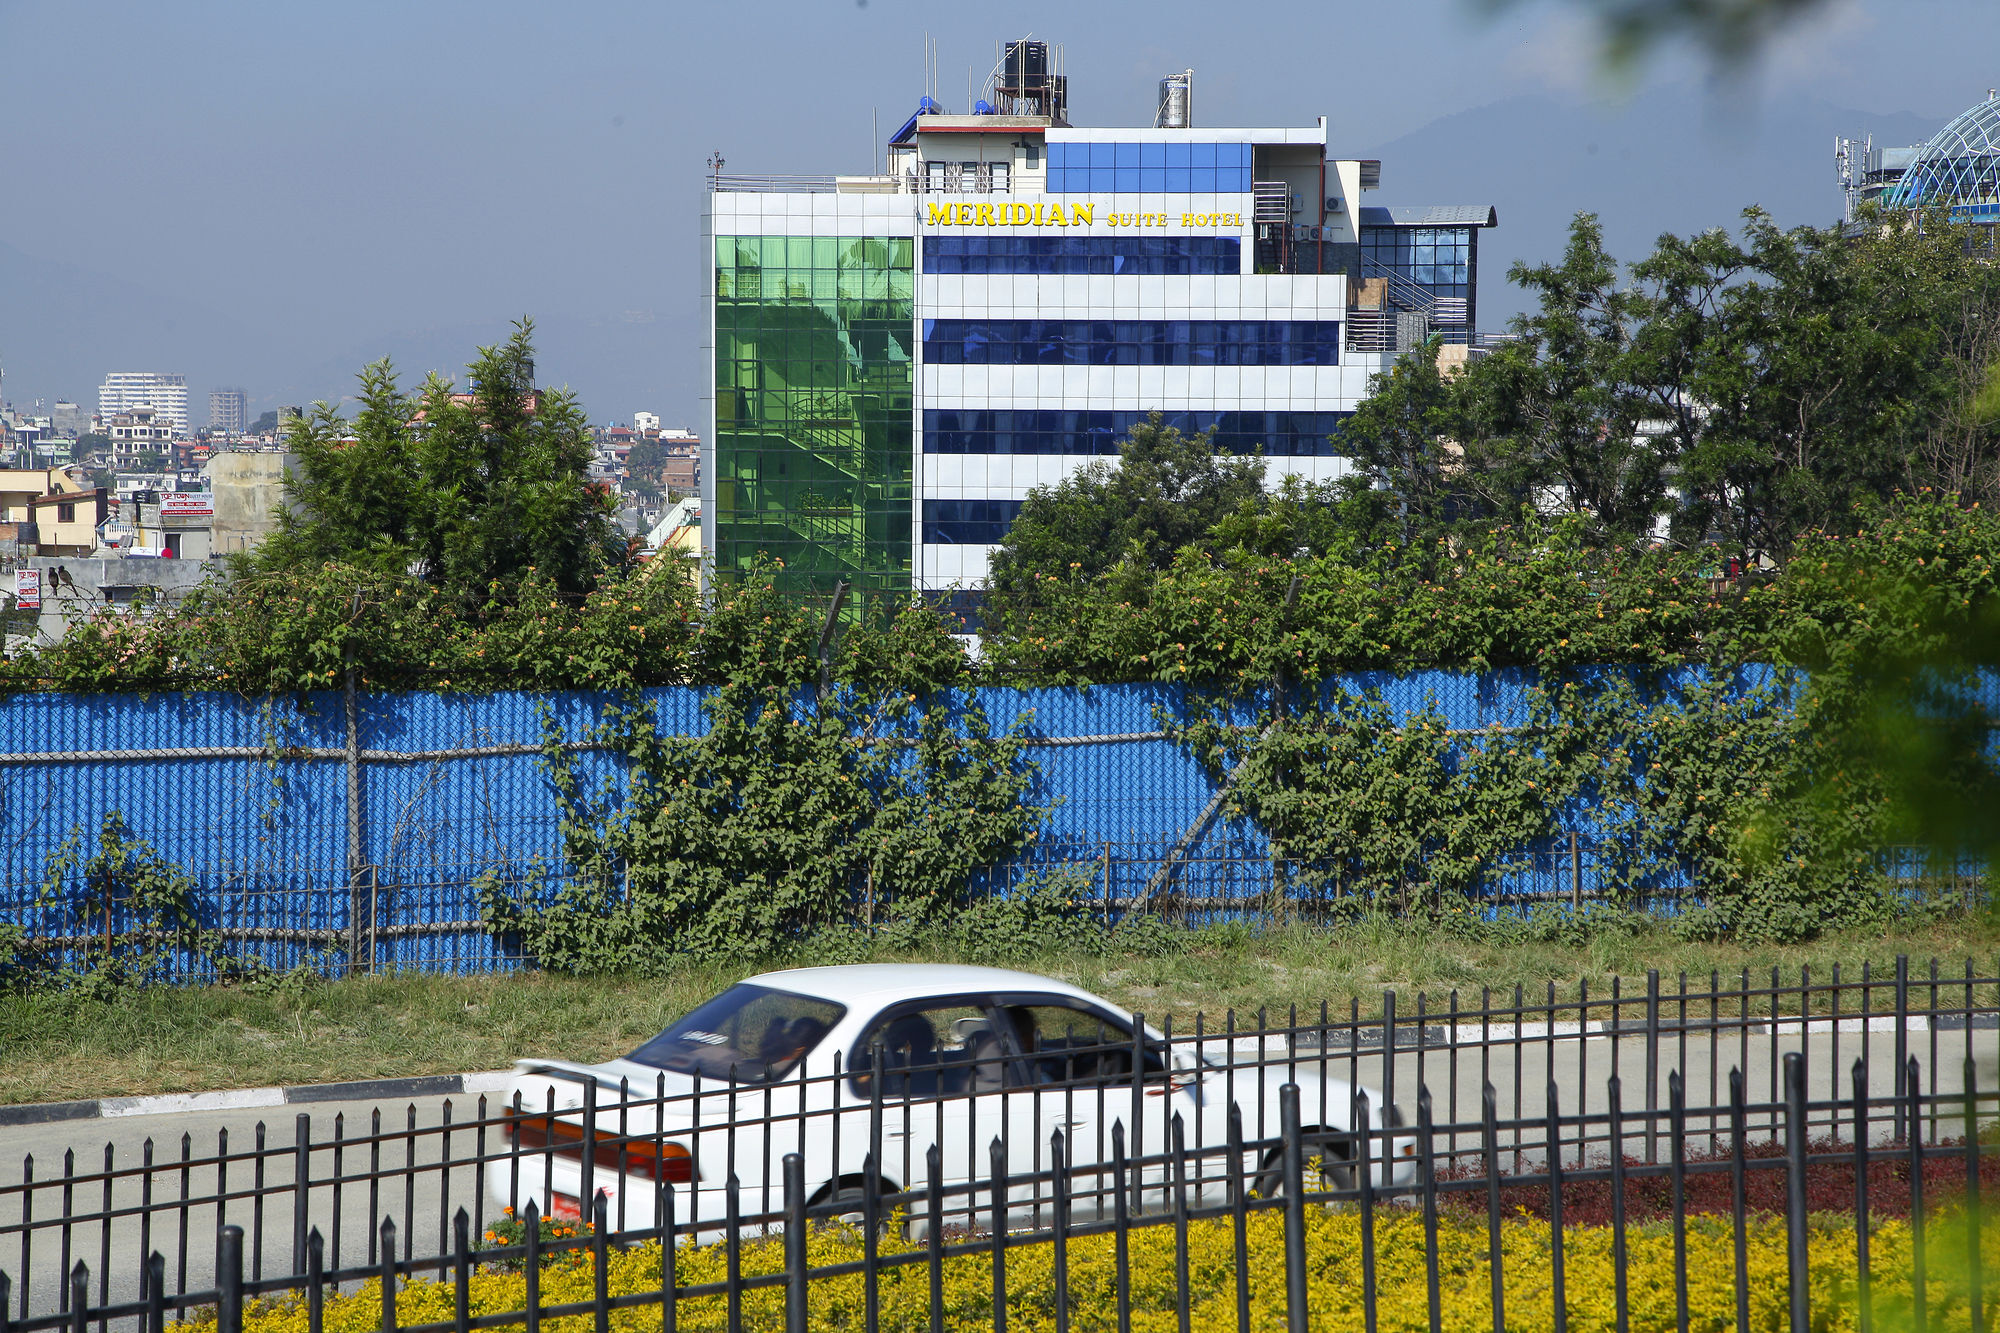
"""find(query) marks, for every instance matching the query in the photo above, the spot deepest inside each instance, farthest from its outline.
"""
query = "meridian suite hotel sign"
(951, 214)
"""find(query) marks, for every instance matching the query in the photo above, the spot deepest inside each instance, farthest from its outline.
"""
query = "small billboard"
(187, 504)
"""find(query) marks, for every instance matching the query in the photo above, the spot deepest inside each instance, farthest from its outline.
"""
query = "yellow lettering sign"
(1058, 214)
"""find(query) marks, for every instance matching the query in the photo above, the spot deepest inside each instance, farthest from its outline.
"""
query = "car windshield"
(759, 1033)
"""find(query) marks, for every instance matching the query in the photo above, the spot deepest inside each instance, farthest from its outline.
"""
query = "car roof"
(889, 983)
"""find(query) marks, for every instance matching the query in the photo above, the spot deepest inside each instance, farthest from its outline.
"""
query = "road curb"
(238, 1099)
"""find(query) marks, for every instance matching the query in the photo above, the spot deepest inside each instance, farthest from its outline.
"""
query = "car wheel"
(846, 1204)
(1335, 1173)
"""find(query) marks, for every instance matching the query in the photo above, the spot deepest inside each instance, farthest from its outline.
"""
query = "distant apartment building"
(140, 431)
(228, 410)
(167, 395)
(68, 419)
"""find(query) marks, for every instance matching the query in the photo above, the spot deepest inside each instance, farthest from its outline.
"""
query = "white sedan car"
(839, 1064)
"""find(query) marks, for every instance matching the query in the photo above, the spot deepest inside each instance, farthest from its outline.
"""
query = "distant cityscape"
(127, 503)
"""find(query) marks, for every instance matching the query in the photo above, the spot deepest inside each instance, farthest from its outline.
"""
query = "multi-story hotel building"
(901, 357)
(167, 395)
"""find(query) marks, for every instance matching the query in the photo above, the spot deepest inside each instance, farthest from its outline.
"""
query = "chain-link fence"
(348, 833)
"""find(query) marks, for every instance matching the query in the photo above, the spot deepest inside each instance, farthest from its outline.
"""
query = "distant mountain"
(1670, 160)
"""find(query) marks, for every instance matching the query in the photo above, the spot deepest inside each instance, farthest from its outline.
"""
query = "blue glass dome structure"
(1959, 166)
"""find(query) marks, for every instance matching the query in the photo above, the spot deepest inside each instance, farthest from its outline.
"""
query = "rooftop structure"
(1957, 168)
(902, 355)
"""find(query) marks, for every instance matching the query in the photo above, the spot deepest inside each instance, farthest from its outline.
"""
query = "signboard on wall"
(28, 589)
(187, 504)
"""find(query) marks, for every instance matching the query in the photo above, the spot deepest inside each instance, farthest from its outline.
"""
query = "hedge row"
(1333, 1248)
(1531, 596)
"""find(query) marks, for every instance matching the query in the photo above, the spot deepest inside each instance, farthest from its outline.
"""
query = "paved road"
(420, 1201)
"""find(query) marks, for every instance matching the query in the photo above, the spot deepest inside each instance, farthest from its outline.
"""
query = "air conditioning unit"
(1334, 204)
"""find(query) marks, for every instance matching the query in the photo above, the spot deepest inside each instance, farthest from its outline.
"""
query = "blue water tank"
(982, 108)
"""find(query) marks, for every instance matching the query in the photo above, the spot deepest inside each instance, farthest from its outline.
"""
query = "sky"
(270, 196)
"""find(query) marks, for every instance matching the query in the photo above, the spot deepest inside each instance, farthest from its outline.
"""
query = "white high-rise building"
(124, 390)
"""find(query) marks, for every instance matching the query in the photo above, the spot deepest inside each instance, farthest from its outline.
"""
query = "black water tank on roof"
(1027, 64)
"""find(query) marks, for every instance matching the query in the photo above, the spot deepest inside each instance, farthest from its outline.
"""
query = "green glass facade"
(813, 423)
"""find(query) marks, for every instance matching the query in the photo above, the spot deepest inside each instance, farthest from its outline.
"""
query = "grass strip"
(56, 1045)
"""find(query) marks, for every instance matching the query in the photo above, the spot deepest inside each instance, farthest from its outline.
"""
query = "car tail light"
(659, 1160)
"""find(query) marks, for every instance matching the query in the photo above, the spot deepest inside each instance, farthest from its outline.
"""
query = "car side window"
(1066, 1045)
(945, 1050)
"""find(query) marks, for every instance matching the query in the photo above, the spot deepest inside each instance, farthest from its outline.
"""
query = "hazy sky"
(270, 194)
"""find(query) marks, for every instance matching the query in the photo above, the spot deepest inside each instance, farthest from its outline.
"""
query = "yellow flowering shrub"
(1333, 1247)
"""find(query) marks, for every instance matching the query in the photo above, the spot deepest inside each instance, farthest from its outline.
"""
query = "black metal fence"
(1749, 1089)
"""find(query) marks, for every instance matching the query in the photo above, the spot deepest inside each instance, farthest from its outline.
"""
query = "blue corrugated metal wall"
(265, 837)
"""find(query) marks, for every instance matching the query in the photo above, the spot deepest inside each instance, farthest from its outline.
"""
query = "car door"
(935, 1070)
(1077, 1074)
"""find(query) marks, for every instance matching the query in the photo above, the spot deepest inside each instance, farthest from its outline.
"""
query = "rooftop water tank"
(1176, 106)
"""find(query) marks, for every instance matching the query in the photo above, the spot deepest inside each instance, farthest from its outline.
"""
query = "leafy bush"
(1537, 594)
(510, 1230)
(1334, 1285)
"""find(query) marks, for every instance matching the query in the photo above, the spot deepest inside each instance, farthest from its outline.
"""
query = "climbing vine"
(118, 915)
(1367, 812)
(788, 814)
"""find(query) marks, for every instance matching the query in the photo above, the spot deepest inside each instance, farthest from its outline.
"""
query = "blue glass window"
(1158, 342)
(1172, 256)
(968, 522)
(1436, 258)
(1151, 166)
(1079, 431)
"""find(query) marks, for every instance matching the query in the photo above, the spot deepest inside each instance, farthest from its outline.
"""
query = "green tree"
(1553, 418)
(1346, 518)
(646, 456)
(1166, 491)
(1800, 370)
(1405, 440)
(467, 492)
